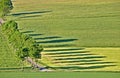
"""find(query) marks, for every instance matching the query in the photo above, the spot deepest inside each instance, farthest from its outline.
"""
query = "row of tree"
(24, 45)
(5, 7)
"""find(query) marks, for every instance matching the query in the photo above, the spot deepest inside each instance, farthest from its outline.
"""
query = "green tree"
(5, 7)
(24, 45)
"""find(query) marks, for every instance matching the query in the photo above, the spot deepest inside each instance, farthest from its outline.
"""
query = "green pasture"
(80, 59)
(76, 35)
(91, 25)
(59, 75)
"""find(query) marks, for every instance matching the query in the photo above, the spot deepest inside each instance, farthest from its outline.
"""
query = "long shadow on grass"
(83, 68)
(69, 55)
(57, 41)
(9, 68)
(30, 33)
(30, 16)
(80, 61)
(77, 60)
(13, 68)
(35, 34)
(59, 45)
(27, 32)
(91, 63)
(88, 57)
(65, 53)
(50, 40)
(100, 16)
(28, 13)
(66, 49)
(50, 37)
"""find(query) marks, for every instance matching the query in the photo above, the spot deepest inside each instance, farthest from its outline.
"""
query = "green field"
(76, 59)
(92, 25)
(59, 75)
(77, 35)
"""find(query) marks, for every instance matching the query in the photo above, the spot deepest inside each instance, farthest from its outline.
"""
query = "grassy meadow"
(92, 25)
(59, 75)
(80, 59)
(77, 35)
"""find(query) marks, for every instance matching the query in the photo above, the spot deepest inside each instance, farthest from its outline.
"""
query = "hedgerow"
(24, 45)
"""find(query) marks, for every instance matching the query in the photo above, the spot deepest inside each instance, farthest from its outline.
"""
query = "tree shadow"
(65, 53)
(59, 45)
(10, 68)
(84, 68)
(27, 31)
(51, 37)
(57, 41)
(100, 16)
(74, 61)
(28, 13)
(86, 57)
(13, 68)
(30, 16)
(35, 34)
(68, 55)
(30, 33)
(89, 63)
(77, 60)
(66, 49)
